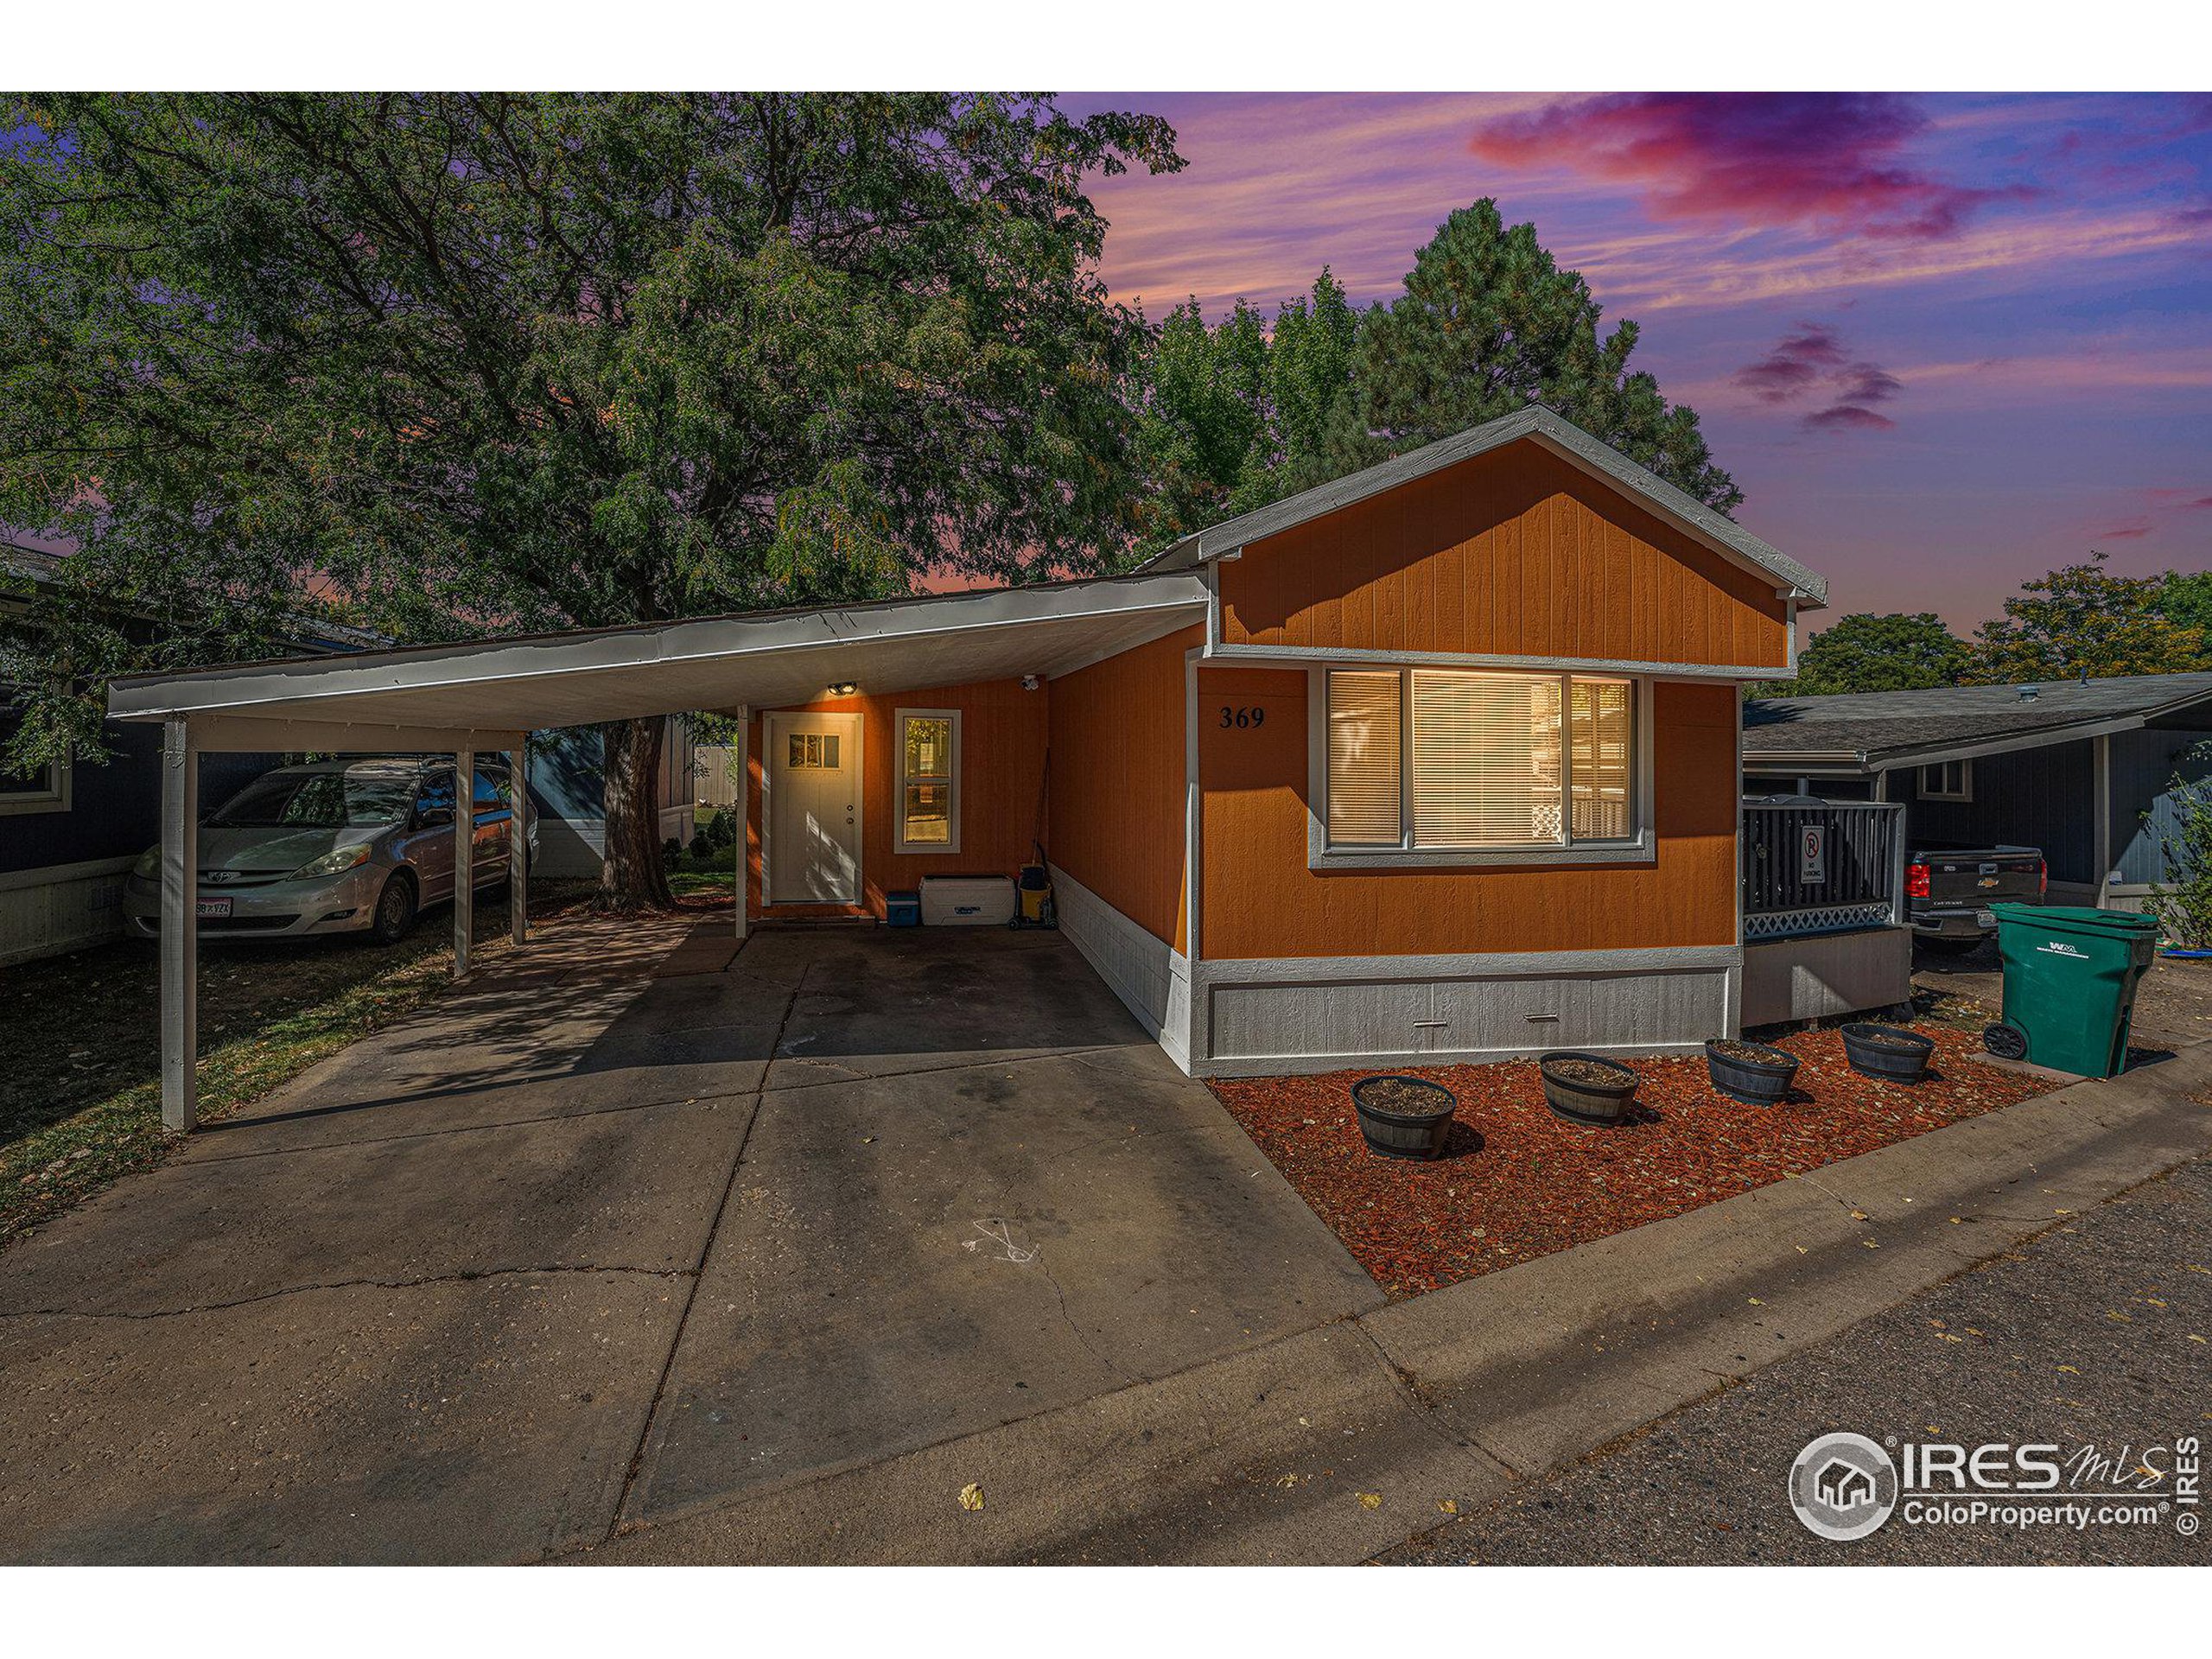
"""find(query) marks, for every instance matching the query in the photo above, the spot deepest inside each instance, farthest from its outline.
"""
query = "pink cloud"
(2127, 529)
(1829, 161)
(1848, 417)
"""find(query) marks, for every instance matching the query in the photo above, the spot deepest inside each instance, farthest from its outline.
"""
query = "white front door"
(814, 809)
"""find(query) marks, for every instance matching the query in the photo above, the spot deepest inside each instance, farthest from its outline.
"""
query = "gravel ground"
(2100, 1331)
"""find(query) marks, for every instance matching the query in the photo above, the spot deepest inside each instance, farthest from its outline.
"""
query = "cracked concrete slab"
(1301, 1449)
(479, 1421)
(634, 1189)
(912, 1258)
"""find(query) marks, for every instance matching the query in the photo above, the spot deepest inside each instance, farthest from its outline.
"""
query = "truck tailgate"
(1978, 880)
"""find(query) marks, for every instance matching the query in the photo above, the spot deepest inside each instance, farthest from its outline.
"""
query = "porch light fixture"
(1030, 682)
(843, 687)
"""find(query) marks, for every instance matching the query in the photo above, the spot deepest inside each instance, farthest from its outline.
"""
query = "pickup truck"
(1948, 890)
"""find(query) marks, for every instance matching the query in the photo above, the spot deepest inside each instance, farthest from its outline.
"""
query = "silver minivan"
(336, 847)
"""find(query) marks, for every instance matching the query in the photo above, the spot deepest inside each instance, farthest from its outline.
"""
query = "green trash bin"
(2069, 985)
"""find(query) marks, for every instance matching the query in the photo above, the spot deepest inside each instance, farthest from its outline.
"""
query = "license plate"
(1985, 918)
(214, 909)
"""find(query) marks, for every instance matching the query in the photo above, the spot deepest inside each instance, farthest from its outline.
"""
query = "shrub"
(722, 829)
(2184, 908)
(702, 846)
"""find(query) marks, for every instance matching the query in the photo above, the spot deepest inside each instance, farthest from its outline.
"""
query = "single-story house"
(2084, 770)
(70, 831)
(1439, 760)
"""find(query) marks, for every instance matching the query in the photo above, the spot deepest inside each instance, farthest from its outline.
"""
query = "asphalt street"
(2099, 1332)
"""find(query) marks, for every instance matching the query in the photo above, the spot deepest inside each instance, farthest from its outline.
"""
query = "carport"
(487, 697)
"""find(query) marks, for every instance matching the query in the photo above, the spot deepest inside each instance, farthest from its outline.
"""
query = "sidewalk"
(1344, 1442)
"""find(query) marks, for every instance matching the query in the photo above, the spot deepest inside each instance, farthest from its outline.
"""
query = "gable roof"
(1563, 438)
(1867, 730)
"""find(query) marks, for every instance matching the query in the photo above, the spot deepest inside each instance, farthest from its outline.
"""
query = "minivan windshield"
(316, 800)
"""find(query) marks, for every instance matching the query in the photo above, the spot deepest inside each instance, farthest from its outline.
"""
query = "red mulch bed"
(1515, 1183)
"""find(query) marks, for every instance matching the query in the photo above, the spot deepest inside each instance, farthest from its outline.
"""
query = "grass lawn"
(80, 1092)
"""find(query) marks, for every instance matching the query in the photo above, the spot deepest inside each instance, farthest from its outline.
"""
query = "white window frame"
(53, 798)
(1320, 855)
(1965, 790)
(899, 843)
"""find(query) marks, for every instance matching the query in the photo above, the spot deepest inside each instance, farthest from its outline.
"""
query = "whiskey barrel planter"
(1403, 1117)
(1887, 1053)
(1586, 1089)
(1754, 1073)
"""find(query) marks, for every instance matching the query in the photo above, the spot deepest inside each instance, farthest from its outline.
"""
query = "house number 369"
(1243, 717)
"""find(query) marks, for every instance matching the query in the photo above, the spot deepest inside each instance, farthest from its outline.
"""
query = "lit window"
(929, 780)
(1450, 760)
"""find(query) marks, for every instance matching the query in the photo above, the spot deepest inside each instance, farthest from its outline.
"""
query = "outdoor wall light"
(843, 687)
(1030, 682)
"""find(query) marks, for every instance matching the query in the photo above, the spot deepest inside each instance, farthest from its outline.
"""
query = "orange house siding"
(1512, 553)
(1002, 736)
(1118, 783)
(1259, 898)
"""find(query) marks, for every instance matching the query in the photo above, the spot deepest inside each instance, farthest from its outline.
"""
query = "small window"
(1465, 763)
(929, 780)
(814, 749)
(1947, 781)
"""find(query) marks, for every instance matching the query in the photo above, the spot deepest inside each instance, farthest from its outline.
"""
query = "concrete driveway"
(634, 1225)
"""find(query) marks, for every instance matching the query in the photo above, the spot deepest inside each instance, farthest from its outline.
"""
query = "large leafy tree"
(1866, 653)
(2080, 619)
(459, 365)
(1487, 324)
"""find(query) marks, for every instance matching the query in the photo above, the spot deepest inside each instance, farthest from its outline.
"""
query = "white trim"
(899, 841)
(269, 687)
(1302, 656)
(1549, 431)
(1193, 806)
(856, 726)
(1152, 979)
(1643, 849)
(1491, 964)
(2102, 828)
(54, 798)
(1963, 796)
(245, 734)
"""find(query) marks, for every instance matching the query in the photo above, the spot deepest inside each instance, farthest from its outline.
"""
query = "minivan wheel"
(395, 912)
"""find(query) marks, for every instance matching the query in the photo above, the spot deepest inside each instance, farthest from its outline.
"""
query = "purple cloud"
(1830, 161)
(1848, 417)
(1796, 362)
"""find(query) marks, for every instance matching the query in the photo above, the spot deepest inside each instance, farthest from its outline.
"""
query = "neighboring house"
(70, 833)
(569, 790)
(1438, 761)
(2082, 769)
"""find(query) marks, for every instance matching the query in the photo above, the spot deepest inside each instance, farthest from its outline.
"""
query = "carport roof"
(760, 659)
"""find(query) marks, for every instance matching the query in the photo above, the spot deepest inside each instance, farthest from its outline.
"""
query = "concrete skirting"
(1290, 1014)
(1149, 976)
(1826, 974)
(60, 908)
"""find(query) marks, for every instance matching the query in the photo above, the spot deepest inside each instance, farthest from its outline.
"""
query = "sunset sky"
(1943, 343)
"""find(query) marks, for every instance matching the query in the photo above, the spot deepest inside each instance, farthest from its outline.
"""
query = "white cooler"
(967, 900)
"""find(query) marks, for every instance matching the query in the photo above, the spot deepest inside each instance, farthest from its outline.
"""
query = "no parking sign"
(1813, 853)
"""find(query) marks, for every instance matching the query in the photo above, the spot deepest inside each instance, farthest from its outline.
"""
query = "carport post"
(179, 926)
(464, 856)
(518, 840)
(742, 789)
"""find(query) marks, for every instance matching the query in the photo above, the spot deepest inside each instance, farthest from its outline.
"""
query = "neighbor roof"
(1868, 731)
(1556, 434)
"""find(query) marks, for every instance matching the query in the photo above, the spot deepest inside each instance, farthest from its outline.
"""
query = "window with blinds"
(1431, 759)
(1364, 804)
